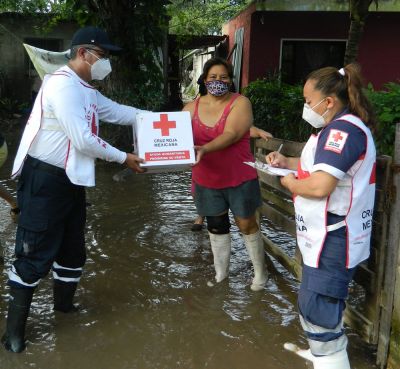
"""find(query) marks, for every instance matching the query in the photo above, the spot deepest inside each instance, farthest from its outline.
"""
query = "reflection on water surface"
(144, 299)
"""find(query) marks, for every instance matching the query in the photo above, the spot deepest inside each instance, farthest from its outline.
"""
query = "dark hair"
(348, 88)
(207, 66)
(73, 52)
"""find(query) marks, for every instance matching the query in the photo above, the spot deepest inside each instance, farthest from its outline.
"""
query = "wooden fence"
(371, 299)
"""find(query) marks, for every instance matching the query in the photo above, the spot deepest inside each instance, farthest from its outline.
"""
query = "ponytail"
(358, 102)
(347, 85)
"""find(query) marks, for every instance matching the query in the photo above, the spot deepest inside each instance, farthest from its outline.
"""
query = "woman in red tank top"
(221, 120)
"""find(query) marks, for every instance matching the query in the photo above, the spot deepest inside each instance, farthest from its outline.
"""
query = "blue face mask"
(217, 88)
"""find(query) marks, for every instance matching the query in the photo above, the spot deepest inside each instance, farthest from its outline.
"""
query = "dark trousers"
(51, 225)
(322, 295)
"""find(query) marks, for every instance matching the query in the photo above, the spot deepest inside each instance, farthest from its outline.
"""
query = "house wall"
(15, 82)
(242, 20)
(269, 28)
(378, 54)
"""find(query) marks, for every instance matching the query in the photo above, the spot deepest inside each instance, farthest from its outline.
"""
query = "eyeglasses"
(101, 53)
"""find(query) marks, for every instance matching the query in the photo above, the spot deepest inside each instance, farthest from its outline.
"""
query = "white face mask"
(310, 116)
(101, 68)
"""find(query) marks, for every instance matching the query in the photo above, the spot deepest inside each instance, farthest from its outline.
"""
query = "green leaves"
(387, 108)
(140, 27)
(32, 6)
(277, 108)
(202, 17)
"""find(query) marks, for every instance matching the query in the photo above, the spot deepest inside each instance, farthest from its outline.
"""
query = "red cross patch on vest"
(336, 141)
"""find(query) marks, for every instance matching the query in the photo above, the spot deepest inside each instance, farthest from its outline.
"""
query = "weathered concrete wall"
(15, 83)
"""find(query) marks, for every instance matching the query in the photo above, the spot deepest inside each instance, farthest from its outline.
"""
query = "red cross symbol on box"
(337, 137)
(164, 124)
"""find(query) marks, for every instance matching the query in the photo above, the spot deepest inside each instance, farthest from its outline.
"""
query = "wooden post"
(394, 350)
(390, 319)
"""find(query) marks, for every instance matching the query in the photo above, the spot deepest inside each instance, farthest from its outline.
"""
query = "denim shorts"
(242, 200)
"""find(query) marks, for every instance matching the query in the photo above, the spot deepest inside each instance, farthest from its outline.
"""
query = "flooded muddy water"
(144, 299)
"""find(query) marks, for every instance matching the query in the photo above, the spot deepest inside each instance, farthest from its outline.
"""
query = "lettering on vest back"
(367, 214)
(300, 223)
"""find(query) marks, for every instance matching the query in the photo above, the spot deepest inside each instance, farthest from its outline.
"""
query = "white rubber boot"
(338, 360)
(305, 354)
(221, 249)
(255, 248)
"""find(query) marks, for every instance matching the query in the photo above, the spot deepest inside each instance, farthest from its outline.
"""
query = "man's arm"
(71, 117)
(111, 112)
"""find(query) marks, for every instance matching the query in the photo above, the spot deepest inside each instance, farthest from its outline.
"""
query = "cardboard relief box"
(164, 141)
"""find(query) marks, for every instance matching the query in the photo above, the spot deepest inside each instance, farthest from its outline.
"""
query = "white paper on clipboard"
(273, 171)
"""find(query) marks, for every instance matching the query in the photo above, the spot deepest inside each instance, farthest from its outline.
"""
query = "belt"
(338, 221)
(334, 227)
(45, 167)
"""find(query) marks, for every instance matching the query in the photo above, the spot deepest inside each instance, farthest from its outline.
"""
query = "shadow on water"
(144, 299)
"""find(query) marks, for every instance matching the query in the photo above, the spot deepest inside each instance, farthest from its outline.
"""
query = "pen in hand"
(274, 162)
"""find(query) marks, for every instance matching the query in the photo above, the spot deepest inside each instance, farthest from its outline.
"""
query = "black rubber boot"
(18, 311)
(63, 295)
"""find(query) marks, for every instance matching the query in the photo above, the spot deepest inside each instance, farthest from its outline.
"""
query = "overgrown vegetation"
(387, 108)
(202, 17)
(277, 108)
(139, 27)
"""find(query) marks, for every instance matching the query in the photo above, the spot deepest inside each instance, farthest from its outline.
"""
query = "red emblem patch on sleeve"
(336, 141)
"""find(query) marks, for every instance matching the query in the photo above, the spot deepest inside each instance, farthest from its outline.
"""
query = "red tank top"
(223, 168)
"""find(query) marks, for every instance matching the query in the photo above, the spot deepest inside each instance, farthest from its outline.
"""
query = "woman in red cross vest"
(221, 120)
(334, 199)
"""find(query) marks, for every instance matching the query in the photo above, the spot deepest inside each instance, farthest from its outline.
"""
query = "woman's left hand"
(264, 134)
(260, 133)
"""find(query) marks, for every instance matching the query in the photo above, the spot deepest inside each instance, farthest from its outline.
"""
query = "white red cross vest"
(80, 168)
(353, 197)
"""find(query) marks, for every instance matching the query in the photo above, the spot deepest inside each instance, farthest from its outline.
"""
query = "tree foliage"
(277, 108)
(139, 27)
(32, 6)
(202, 17)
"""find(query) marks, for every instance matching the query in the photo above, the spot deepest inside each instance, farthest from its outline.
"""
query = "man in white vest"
(55, 162)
